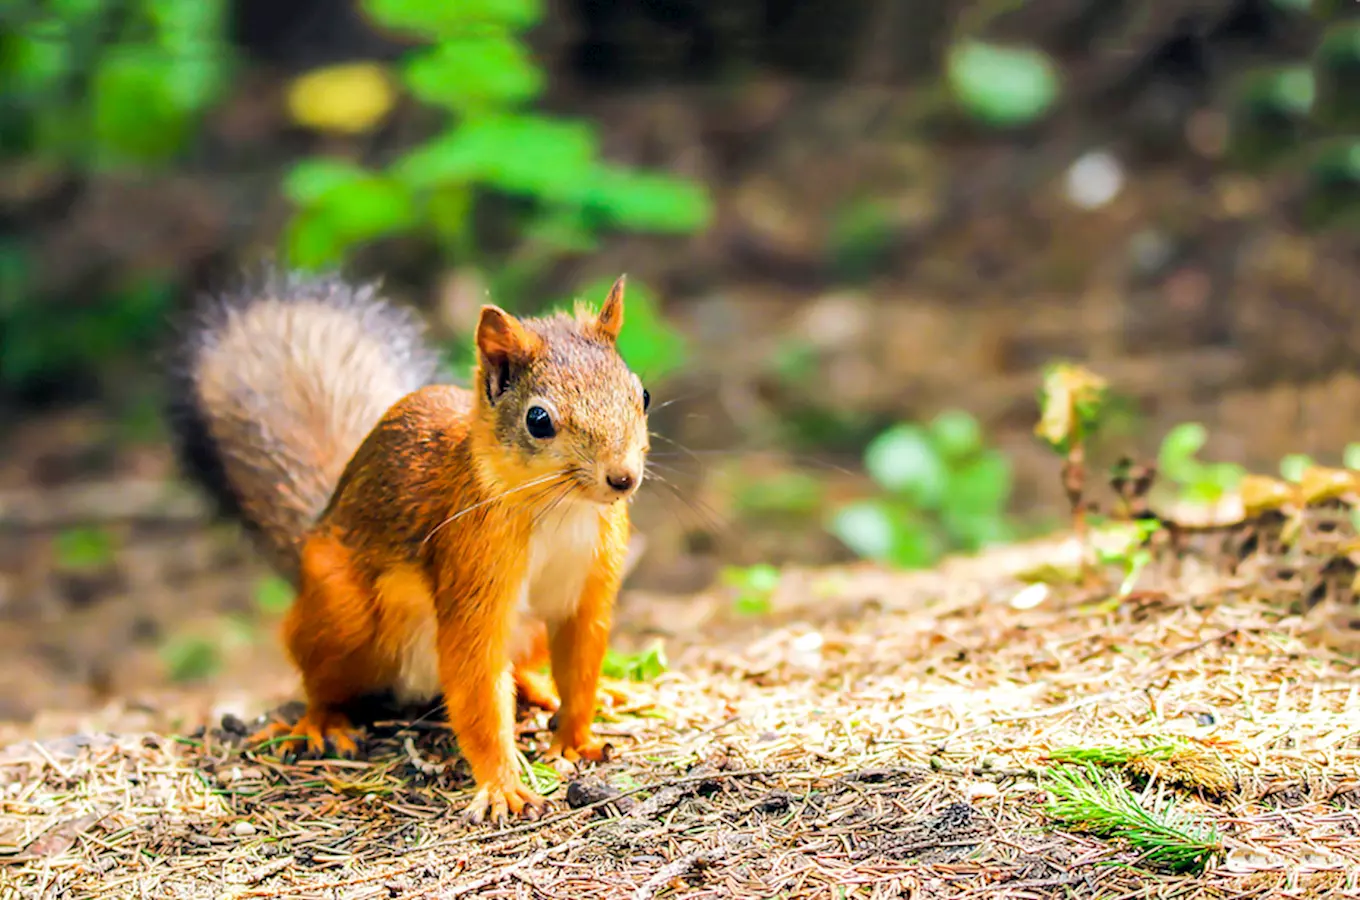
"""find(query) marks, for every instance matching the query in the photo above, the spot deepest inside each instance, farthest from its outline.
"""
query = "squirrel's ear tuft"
(503, 344)
(609, 322)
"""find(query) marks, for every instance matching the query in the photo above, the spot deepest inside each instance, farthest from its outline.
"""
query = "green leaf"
(84, 549)
(651, 345)
(643, 666)
(136, 118)
(442, 20)
(973, 531)
(34, 65)
(312, 243)
(311, 181)
(191, 36)
(754, 586)
(534, 155)
(956, 434)
(917, 543)
(190, 658)
(981, 486)
(370, 208)
(274, 596)
(1179, 447)
(474, 72)
(1351, 457)
(785, 493)
(542, 778)
(1002, 86)
(867, 529)
(903, 461)
(644, 201)
(1293, 465)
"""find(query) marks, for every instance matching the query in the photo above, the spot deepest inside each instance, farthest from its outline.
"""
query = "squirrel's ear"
(609, 322)
(503, 344)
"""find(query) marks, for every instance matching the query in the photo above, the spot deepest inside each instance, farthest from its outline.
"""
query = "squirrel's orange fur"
(454, 517)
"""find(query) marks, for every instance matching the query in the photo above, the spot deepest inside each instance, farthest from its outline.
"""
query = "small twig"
(505, 872)
(612, 798)
(700, 859)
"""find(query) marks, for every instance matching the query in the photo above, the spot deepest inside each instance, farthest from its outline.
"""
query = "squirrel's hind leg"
(331, 634)
(529, 656)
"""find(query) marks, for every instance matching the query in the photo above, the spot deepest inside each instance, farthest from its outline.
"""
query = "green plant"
(273, 595)
(943, 490)
(40, 339)
(1299, 115)
(1088, 799)
(1001, 86)
(474, 68)
(84, 549)
(752, 587)
(642, 666)
(100, 84)
(1195, 481)
(190, 658)
(1124, 545)
(1072, 406)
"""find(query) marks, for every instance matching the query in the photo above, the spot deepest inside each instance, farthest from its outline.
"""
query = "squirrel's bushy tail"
(274, 385)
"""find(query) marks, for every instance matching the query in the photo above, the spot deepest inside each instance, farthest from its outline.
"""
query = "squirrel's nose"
(620, 480)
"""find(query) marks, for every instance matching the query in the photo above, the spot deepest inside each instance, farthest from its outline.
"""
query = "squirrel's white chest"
(561, 552)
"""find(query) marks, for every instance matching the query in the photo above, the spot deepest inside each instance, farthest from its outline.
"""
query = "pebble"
(243, 829)
(1094, 180)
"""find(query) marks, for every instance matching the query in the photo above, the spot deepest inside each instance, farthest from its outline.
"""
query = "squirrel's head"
(561, 404)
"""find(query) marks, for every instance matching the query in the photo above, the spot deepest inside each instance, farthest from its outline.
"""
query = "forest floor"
(873, 735)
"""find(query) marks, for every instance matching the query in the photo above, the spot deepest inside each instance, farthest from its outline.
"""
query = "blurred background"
(855, 233)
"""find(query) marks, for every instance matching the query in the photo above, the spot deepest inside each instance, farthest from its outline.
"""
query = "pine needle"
(1091, 800)
(1169, 760)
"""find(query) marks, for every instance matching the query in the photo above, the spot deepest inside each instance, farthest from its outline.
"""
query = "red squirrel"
(441, 540)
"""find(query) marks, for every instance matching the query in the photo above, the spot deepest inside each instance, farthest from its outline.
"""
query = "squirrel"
(441, 539)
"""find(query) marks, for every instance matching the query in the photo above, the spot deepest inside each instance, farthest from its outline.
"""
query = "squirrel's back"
(276, 384)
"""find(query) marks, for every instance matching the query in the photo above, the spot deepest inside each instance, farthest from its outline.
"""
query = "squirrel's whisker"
(514, 490)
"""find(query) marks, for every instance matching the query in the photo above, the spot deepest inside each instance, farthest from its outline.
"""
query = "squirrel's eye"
(539, 423)
(646, 399)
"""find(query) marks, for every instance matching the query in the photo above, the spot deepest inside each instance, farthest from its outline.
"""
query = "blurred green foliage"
(84, 549)
(752, 587)
(1195, 481)
(1001, 86)
(644, 665)
(943, 489)
(98, 84)
(1302, 116)
(273, 596)
(475, 70)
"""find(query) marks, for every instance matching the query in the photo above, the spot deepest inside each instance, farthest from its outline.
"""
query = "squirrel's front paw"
(494, 802)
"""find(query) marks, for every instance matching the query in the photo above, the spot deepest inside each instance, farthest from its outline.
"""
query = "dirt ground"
(874, 735)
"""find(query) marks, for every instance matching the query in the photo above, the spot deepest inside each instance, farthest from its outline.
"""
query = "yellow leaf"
(1260, 493)
(1066, 388)
(350, 98)
(1319, 484)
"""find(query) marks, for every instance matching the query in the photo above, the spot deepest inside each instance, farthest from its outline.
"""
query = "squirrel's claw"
(590, 747)
(322, 731)
(493, 803)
